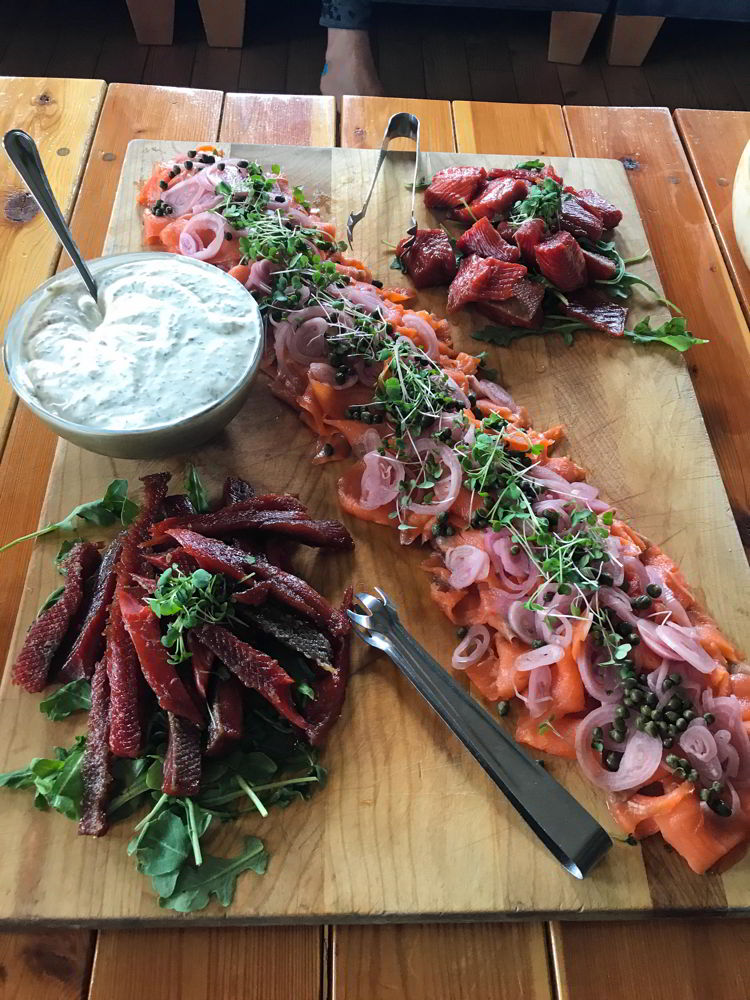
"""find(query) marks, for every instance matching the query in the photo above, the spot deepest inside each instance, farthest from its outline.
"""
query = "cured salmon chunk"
(594, 202)
(483, 279)
(225, 717)
(182, 764)
(528, 236)
(597, 311)
(495, 199)
(599, 267)
(97, 760)
(485, 241)
(430, 260)
(453, 186)
(561, 261)
(580, 221)
(524, 308)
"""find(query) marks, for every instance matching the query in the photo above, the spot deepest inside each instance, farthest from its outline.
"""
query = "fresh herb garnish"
(544, 201)
(57, 781)
(530, 165)
(72, 697)
(673, 333)
(189, 600)
(195, 489)
(51, 600)
(114, 506)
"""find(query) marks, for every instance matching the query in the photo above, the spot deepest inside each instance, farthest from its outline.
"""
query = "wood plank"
(272, 963)
(170, 65)
(216, 69)
(393, 853)
(693, 272)
(627, 86)
(582, 84)
(661, 960)
(305, 63)
(714, 141)
(263, 66)
(488, 56)
(538, 129)
(45, 965)
(61, 116)
(363, 122)
(399, 58)
(456, 961)
(28, 50)
(289, 119)
(536, 78)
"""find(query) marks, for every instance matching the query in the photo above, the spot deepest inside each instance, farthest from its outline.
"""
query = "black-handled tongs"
(400, 126)
(563, 826)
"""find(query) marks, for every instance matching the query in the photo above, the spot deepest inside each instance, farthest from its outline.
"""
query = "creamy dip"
(164, 342)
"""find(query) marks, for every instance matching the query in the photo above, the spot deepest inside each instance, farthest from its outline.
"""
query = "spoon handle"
(24, 156)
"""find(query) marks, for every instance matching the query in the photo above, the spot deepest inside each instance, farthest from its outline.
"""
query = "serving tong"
(564, 827)
(400, 126)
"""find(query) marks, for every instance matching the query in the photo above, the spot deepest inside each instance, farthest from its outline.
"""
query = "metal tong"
(563, 826)
(400, 126)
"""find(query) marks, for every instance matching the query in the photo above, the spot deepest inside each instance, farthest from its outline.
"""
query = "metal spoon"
(24, 156)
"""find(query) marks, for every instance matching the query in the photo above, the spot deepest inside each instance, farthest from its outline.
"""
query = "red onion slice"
(640, 760)
(523, 622)
(700, 749)
(637, 571)
(608, 597)
(648, 633)
(539, 691)
(472, 647)
(467, 564)
(321, 371)
(450, 484)
(485, 389)
(309, 341)
(425, 331)
(192, 238)
(687, 649)
(605, 689)
(542, 657)
(362, 295)
(678, 613)
(381, 480)
(369, 441)
(259, 279)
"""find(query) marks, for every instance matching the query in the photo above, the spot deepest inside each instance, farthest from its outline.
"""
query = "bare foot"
(349, 68)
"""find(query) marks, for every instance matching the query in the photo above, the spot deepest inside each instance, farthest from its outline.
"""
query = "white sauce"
(165, 342)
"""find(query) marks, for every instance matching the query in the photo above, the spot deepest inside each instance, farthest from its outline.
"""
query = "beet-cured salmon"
(484, 240)
(454, 186)
(495, 199)
(430, 259)
(48, 631)
(97, 763)
(481, 279)
(597, 311)
(561, 261)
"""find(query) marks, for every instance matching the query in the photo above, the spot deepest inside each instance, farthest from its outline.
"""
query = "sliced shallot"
(472, 647)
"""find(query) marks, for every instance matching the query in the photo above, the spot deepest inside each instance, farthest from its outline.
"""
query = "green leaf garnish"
(53, 598)
(188, 600)
(194, 886)
(195, 489)
(530, 165)
(72, 697)
(673, 333)
(114, 506)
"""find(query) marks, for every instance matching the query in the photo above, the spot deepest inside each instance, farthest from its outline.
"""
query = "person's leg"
(349, 68)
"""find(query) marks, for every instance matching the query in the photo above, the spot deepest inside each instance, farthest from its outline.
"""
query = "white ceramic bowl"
(158, 440)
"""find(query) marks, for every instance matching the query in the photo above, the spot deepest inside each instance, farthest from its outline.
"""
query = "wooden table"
(83, 129)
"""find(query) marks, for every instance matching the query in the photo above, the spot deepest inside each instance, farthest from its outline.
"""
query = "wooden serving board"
(409, 827)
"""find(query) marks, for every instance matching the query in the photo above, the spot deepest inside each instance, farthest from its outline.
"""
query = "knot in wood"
(20, 207)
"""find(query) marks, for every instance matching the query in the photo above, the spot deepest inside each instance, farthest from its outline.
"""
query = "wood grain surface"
(434, 962)
(268, 118)
(45, 964)
(61, 116)
(682, 240)
(510, 128)
(363, 122)
(375, 844)
(251, 963)
(714, 141)
(661, 960)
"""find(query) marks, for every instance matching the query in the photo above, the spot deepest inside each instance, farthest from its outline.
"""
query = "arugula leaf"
(398, 265)
(58, 781)
(503, 336)
(195, 489)
(673, 333)
(223, 188)
(215, 877)
(530, 165)
(421, 185)
(62, 552)
(52, 599)
(72, 697)
(299, 196)
(114, 506)
(162, 846)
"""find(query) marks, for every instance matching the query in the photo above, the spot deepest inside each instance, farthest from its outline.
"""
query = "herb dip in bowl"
(161, 362)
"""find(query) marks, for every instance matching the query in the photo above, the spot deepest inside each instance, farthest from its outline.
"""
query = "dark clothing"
(353, 14)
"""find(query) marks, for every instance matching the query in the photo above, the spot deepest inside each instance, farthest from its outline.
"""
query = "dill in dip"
(164, 342)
